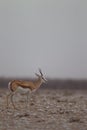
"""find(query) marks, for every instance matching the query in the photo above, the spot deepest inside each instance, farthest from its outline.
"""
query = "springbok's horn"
(40, 72)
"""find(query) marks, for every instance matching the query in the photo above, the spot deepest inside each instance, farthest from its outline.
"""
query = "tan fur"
(14, 85)
(24, 84)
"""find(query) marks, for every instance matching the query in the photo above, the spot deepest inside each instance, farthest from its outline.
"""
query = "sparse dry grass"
(47, 110)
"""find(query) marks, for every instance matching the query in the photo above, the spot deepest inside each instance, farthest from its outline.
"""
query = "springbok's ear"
(37, 74)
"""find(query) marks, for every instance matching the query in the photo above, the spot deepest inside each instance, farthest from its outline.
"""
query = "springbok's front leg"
(27, 100)
(29, 94)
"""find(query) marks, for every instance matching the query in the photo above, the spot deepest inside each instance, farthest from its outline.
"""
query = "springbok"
(25, 87)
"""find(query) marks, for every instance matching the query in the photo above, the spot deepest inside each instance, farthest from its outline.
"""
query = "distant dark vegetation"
(52, 83)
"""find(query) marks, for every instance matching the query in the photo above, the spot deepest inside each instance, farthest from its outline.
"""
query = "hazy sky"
(50, 34)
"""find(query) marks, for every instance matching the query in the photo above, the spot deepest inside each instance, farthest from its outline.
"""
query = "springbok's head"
(40, 76)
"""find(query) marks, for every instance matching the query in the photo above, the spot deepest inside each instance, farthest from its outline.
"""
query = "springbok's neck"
(38, 83)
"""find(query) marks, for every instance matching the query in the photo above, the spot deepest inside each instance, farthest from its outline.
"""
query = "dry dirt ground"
(47, 110)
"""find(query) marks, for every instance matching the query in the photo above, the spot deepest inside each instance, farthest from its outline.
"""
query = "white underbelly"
(22, 90)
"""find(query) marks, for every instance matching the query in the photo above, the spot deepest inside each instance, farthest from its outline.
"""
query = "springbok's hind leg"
(12, 94)
(7, 99)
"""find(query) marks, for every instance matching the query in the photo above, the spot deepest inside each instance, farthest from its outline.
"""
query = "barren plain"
(48, 109)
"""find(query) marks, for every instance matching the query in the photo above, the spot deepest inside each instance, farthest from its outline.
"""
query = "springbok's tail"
(10, 86)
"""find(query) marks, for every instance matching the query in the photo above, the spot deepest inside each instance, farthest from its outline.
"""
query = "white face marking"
(22, 90)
